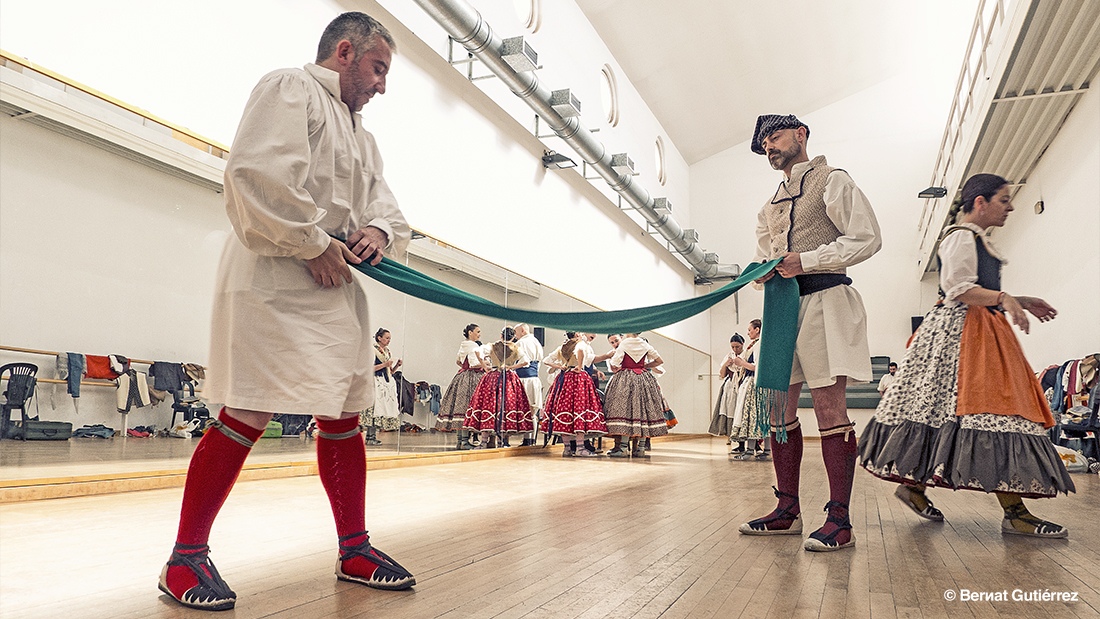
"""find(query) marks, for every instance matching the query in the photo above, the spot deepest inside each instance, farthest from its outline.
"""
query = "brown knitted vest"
(796, 217)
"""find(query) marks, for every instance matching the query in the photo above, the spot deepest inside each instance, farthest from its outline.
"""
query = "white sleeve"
(958, 254)
(763, 238)
(382, 210)
(265, 177)
(851, 213)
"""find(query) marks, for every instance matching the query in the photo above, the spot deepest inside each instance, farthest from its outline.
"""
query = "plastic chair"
(185, 401)
(20, 389)
(1087, 432)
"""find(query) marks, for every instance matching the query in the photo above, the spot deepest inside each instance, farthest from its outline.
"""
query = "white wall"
(1056, 255)
(102, 255)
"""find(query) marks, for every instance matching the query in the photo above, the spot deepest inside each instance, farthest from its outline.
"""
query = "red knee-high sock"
(787, 460)
(839, 449)
(214, 468)
(342, 466)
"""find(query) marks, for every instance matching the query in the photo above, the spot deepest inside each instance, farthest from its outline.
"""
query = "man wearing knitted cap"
(819, 223)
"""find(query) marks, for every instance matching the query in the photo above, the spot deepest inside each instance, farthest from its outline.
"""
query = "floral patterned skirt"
(452, 409)
(633, 405)
(916, 436)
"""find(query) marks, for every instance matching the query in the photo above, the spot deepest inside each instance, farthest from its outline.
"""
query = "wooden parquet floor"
(553, 538)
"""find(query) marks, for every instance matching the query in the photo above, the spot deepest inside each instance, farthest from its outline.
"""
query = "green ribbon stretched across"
(776, 342)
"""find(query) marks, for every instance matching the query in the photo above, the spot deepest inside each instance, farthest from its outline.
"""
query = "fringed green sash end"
(777, 338)
(772, 404)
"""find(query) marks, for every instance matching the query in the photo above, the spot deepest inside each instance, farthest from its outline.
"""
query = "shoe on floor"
(1029, 525)
(584, 453)
(388, 574)
(760, 525)
(639, 453)
(196, 581)
(906, 495)
(618, 453)
(567, 453)
(822, 542)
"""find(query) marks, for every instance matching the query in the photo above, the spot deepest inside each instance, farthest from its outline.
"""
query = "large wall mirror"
(426, 338)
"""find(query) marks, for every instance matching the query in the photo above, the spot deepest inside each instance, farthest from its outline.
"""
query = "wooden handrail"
(54, 354)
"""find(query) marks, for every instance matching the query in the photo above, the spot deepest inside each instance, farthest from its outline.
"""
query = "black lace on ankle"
(212, 590)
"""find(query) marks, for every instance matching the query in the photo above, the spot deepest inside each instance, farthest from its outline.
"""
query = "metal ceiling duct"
(466, 26)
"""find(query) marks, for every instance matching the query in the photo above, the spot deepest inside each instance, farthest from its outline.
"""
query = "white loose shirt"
(301, 168)
(530, 347)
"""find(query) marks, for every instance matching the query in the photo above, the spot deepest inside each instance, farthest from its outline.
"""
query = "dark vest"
(989, 267)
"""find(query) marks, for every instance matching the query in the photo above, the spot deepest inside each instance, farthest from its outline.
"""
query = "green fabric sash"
(776, 340)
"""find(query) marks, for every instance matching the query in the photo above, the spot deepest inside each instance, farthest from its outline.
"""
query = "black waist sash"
(809, 283)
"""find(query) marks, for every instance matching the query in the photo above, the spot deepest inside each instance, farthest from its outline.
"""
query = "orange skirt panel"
(994, 375)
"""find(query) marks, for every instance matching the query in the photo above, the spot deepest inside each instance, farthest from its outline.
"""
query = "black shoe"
(504, 442)
(211, 593)
(389, 575)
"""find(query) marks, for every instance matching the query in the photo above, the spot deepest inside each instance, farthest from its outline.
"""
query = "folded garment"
(100, 367)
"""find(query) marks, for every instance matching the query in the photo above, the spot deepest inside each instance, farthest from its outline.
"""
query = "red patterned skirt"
(573, 406)
(486, 406)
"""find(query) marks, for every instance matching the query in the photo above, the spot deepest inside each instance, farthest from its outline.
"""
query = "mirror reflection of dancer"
(633, 404)
(721, 421)
(499, 405)
(965, 410)
(289, 330)
(819, 223)
(572, 406)
(385, 413)
(472, 366)
(531, 348)
(746, 419)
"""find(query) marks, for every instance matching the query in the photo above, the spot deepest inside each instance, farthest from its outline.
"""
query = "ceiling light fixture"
(933, 192)
(557, 161)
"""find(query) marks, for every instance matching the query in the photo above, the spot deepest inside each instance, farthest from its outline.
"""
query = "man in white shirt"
(819, 223)
(305, 194)
(887, 379)
(529, 345)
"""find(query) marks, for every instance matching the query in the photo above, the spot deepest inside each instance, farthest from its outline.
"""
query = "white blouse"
(958, 254)
(637, 348)
(468, 351)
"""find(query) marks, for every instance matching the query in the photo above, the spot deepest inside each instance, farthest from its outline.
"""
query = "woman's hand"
(1038, 307)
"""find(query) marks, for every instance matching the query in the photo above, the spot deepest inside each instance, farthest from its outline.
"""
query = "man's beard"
(780, 159)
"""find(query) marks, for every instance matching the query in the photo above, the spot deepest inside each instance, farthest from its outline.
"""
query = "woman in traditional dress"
(384, 413)
(727, 394)
(499, 405)
(472, 365)
(572, 408)
(633, 404)
(747, 417)
(966, 411)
